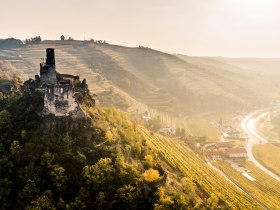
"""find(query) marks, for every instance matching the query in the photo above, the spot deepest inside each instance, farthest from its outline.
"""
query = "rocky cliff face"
(54, 125)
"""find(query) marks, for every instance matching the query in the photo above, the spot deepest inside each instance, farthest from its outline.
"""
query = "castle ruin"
(62, 91)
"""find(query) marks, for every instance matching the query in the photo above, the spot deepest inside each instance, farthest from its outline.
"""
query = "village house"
(215, 155)
(227, 144)
(229, 132)
(146, 116)
(237, 152)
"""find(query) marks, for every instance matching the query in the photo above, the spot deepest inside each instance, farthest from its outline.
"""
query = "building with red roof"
(237, 152)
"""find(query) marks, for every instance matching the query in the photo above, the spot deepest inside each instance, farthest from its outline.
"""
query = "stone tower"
(47, 69)
(50, 57)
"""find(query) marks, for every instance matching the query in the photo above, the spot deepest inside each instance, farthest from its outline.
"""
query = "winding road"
(248, 126)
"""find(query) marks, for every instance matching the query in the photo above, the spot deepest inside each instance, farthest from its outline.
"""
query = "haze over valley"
(91, 118)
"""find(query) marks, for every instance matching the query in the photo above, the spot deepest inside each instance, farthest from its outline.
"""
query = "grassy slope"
(176, 155)
(252, 84)
(192, 166)
(135, 79)
(184, 85)
(257, 65)
(268, 155)
(269, 127)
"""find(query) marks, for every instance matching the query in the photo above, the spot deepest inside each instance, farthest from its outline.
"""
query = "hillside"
(251, 80)
(178, 85)
(10, 42)
(184, 91)
(103, 162)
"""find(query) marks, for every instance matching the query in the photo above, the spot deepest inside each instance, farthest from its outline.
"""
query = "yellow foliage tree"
(109, 136)
(15, 147)
(149, 159)
(151, 175)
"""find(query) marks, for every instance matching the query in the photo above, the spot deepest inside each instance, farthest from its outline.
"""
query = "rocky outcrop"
(55, 125)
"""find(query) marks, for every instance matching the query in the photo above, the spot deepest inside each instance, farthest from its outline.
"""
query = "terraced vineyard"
(98, 65)
(191, 165)
(160, 80)
(131, 78)
(70, 59)
(265, 189)
(268, 155)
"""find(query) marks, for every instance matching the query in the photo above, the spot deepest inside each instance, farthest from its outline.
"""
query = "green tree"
(47, 159)
(5, 124)
(101, 174)
(76, 204)
(101, 201)
(127, 197)
(58, 176)
(5, 192)
(41, 203)
(212, 202)
(29, 192)
(23, 134)
(169, 202)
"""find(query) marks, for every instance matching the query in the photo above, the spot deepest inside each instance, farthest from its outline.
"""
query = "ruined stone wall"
(59, 100)
(48, 77)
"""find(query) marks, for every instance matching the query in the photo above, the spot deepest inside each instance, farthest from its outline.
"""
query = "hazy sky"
(236, 28)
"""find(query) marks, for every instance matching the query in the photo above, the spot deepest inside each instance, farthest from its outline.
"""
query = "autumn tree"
(212, 202)
(149, 159)
(148, 163)
(174, 201)
(151, 175)
(15, 147)
(109, 136)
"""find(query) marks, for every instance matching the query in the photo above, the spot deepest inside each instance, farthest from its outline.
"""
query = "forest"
(101, 162)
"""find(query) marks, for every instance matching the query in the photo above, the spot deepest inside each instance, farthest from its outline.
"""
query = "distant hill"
(261, 66)
(11, 42)
(252, 80)
(9, 77)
